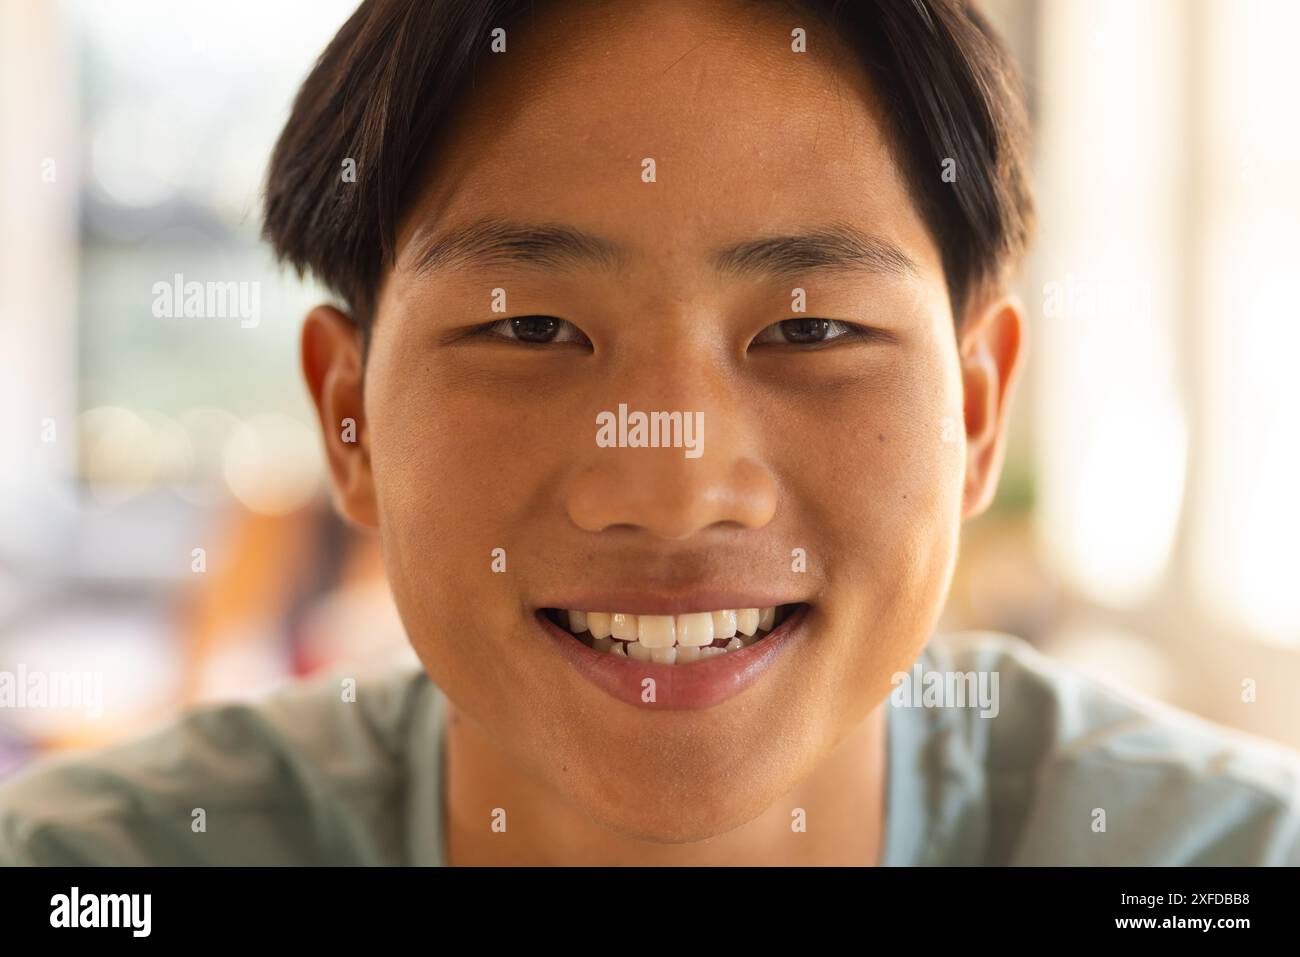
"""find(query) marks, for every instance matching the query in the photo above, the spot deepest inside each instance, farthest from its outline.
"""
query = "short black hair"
(394, 74)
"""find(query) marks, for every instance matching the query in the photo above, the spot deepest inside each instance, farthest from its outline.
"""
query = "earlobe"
(332, 364)
(991, 357)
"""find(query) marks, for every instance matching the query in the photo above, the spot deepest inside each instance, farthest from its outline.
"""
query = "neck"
(843, 802)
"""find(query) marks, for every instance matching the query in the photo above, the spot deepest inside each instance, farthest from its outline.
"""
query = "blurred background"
(163, 518)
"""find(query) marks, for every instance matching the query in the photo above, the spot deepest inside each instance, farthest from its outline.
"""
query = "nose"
(671, 492)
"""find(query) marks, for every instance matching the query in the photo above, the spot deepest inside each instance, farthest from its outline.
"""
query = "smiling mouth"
(672, 639)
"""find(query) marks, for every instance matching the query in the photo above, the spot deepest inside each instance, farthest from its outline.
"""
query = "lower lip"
(685, 687)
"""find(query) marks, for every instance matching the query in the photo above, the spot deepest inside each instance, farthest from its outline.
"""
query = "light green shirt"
(303, 777)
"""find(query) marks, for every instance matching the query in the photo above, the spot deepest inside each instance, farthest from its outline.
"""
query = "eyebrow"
(836, 247)
(493, 242)
(498, 243)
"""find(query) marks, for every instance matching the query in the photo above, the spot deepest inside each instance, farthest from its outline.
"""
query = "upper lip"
(640, 601)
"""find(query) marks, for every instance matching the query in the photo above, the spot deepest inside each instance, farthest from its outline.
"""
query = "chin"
(664, 824)
(679, 795)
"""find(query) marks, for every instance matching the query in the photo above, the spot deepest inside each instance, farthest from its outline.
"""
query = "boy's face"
(864, 451)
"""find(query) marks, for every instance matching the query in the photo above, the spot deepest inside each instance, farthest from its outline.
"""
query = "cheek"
(881, 457)
(434, 469)
(883, 485)
(450, 450)
(456, 457)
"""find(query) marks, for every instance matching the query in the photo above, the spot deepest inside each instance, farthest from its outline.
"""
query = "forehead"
(747, 137)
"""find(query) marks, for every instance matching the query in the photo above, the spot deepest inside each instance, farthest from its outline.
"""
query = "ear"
(332, 364)
(991, 350)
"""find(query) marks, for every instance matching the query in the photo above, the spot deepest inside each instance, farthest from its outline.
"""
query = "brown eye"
(806, 331)
(535, 328)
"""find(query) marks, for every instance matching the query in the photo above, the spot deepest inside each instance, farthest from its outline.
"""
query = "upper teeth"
(671, 638)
